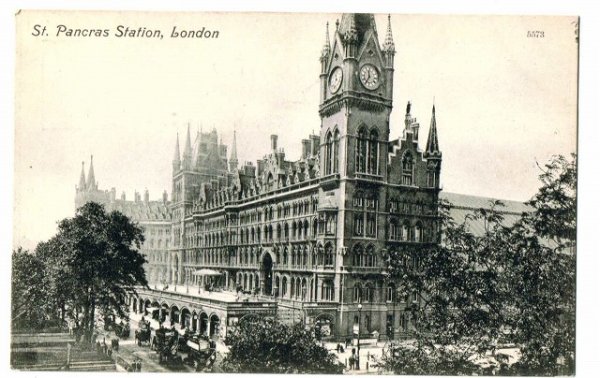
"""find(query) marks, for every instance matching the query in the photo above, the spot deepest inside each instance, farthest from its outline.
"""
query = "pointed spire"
(388, 44)
(187, 152)
(327, 45)
(433, 146)
(91, 179)
(82, 177)
(177, 157)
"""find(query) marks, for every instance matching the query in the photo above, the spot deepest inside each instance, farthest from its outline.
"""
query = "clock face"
(369, 76)
(335, 80)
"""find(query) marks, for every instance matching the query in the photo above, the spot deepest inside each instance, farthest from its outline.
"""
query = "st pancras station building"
(303, 240)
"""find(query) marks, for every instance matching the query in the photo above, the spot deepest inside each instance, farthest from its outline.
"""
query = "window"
(418, 232)
(328, 153)
(390, 293)
(407, 169)
(373, 152)
(371, 224)
(369, 293)
(361, 150)
(327, 290)
(358, 224)
(328, 255)
(357, 292)
(336, 151)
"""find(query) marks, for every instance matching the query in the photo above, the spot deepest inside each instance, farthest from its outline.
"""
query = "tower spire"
(388, 44)
(233, 160)
(433, 147)
(327, 45)
(91, 179)
(187, 150)
(177, 156)
(82, 177)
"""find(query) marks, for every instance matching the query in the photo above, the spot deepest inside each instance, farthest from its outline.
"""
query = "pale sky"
(503, 100)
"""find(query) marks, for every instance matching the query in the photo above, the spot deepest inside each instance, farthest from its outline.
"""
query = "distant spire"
(433, 146)
(177, 156)
(327, 45)
(82, 177)
(91, 179)
(187, 152)
(234, 148)
(388, 44)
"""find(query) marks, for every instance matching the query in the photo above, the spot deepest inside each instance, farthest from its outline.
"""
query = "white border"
(588, 335)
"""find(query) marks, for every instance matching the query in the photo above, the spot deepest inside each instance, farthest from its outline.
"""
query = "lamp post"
(358, 340)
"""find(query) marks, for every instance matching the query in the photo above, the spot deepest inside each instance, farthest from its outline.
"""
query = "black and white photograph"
(295, 193)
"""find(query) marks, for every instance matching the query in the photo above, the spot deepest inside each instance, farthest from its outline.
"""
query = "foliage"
(92, 263)
(515, 283)
(263, 345)
(27, 269)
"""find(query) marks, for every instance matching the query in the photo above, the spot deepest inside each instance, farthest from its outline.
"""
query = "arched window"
(370, 259)
(373, 152)
(336, 151)
(361, 150)
(391, 289)
(327, 290)
(405, 231)
(357, 255)
(407, 169)
(357, 292)
(418, 232)
(328, 153)
(368, 293)
(284, 287)
(328, 255)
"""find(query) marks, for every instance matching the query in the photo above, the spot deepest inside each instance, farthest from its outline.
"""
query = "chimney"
(136, 196)
(165, 196)
(305, 148)
(123, 196)
(274, 142)
(113, 194)
(146, 196)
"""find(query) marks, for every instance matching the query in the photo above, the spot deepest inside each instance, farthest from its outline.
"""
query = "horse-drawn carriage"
(165, 342)
(201, 353)
(143, 333)
(122, 330)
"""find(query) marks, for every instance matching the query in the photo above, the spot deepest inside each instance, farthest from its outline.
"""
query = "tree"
(92, 264)
(27, 287)
(262, 345)
(511, 283)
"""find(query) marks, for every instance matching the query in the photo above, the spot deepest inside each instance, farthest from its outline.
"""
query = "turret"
(187, 151)
(91, 179)
(389, 50)
(233, 160)
(177, 157)
(433, 154)
(432, 149)
(82, 185)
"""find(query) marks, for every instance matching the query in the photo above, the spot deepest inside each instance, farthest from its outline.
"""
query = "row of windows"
(405, 232)
(367, 151)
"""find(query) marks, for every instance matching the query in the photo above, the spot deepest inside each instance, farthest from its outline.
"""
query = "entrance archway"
(214, 326)
(267, 271)
(203, 323)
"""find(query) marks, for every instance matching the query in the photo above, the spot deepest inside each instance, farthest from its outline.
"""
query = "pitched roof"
(143, 211)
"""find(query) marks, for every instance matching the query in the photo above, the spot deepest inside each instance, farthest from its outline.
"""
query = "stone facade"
(311, 234)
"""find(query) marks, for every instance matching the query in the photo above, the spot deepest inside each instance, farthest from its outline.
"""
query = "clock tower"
(356, 99)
